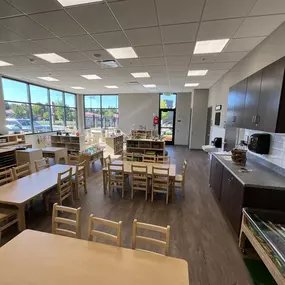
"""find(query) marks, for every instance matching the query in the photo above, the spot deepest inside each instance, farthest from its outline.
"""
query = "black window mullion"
(101, 112)
(49, 110)
(30, 108)
(64, 109)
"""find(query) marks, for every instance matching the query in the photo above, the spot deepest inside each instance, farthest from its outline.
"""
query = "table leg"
(21, 217)
(172, 190)
(101, 160)
(104, 181)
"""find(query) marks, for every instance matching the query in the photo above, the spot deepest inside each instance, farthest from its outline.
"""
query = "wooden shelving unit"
(141, 134)
(114, 145)
(8, 140)
(73, 144)
(145, 146)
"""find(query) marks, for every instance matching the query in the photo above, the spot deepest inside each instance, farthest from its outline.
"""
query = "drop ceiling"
(162, 32)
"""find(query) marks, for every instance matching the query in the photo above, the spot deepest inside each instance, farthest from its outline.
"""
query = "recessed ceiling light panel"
(52, 57)
(149, 86)
(78, 88)
(121, 53)
(91, 76)
(213, 46)
(111, 86)
(4, 63)
(66, 3)
(197, 72)
(48, 78)
(191, 84)
(140, 74)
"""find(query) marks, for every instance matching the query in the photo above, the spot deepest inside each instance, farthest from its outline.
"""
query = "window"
(33, 109)
(167, 101)
(101, 111)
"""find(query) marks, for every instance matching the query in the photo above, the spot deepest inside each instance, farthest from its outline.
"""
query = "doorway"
(208, 126)
(167, 125)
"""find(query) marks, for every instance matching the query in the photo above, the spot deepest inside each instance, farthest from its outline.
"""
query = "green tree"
(20, 111)
(163, 105)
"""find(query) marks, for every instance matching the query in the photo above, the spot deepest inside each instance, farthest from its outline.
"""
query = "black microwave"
(259, 143)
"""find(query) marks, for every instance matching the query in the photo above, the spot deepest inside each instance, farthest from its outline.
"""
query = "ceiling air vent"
(108, 63)
(132, 83)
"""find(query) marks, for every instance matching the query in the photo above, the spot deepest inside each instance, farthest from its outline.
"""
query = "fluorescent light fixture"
(48, 78)
(52, 57)
(121, 53)
(197, 72)
(91, 76)
(78, 88)
(4, 63)
(140, 74)
(210, 46)
(66, 3)
(191, 84)
(149, 86)
(111, 86)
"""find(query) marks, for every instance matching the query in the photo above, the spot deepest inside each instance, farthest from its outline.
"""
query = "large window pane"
(56, 97)
(168, 101)
(92, 102)
(39, 95)
(17, 117)
(57, 115)
(92, 118)
(14, 90)
(109, 101)
(71, 117)
(41, 118)
(110, 117)
(70, 100)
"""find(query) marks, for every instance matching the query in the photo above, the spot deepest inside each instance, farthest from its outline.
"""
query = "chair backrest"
(6, 177)
(80, 173)
(142, 239)
(128, 156)
(185, 164)
(107, 160)
(139, 177)
(160, 177)
(116, 174)
(149, 158)
(73, 159)
(21, 171)
(64, 184)
(42, 164)
(74, 224)
(95, 233)
(163, 159)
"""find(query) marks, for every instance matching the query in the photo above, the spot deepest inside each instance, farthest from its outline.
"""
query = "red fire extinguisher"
(155, 120)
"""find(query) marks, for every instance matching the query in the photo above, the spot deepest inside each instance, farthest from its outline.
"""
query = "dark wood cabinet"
(231, 107)
(239, 103)
(216, 173)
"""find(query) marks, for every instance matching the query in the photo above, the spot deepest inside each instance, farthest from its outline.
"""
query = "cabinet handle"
(252, 120)
(257, 120)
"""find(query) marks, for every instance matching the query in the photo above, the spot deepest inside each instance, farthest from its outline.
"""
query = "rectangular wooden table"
(128, 170)
(21, 191)
(55, 152)
(40, 258)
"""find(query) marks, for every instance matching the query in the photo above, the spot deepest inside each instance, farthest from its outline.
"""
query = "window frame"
(30, 104)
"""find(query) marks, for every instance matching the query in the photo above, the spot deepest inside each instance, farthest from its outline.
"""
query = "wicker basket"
(239, 156)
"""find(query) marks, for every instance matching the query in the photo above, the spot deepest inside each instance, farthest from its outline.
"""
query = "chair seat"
(6, 212)
(178, 178)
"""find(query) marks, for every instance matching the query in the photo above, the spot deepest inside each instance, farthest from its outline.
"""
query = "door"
(251, 101)
(167, 125)
(208, 126)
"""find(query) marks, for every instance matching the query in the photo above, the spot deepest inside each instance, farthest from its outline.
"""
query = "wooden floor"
(199, 233)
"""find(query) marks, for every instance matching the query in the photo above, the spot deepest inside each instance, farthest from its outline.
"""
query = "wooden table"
(40, 258)
(128, 170)
(21, 191)
(55, 152)
(91, 157)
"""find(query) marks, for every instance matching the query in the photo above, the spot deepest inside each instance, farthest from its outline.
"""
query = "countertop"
(259, 176)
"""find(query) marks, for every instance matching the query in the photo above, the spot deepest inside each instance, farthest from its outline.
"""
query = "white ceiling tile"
(226, 9)
(178, 60)
(54, 45)
(6, 10)
(204, 58)
(73, 56)
(179, 33)
(115, 39)
(259, 26)
(81, 65)
(223, 65)
(178, 11)
(179, 49)
(27, 47)
(151, 61)
(101, 54)
(265, 7)
(59, 23)
(135, 13)
(222, 29)
(244, 44)
(144, 36)
(215, 73)
(175, 68)
(95, 18)
(149, 51)
(230, 56)
(130, 62)
(25, 27)
(157, 69)
(23, 60)
(35, 6)
(83, 42)
(201, 66)
(7, 35)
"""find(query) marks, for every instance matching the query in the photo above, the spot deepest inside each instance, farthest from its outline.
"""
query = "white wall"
(183, 108)
(270, 50)
(199, 105)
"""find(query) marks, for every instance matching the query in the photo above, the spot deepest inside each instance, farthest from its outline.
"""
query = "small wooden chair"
(149, 158)
(160, 182)
(136, 238)
(127, 156)
(57, 221)
(163, 159)
(80, 178)
(116, 177)
(6, 177)
(180, 179)
(21, 171)
(42, 164)
(95, 233)
(139, 179)
(73, 159)
(107, 160)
